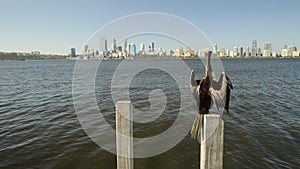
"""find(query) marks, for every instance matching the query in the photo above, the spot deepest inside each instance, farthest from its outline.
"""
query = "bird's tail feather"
(197, 126)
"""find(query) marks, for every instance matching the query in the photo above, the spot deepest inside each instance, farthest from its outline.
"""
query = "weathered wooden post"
(124, 135)
(212, 139)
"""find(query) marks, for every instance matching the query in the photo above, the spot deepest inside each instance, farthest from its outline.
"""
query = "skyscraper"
(86, 48)
(259, 54)
(114, 45)
(290, 50)
(241, 54)
(254, 48)
(101, 43)
(142, 47)
(235, 51)
(267, 50)
(152, 46)
(129, 49)
(248, 51)
(73, 52)
(125, 45)
(149, 46)
(215, 48)
(133, 48)
(284, 51)
(222, 53)
(105, 45)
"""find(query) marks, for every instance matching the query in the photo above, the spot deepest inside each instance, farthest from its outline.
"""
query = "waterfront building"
(86, 48)
(119, 49)
(231, 54)
(284, 53)
(259, 53)
(274, 54)
(215, 48)
(296, 53)
(133, 49)
(97, 53)
(152, 47)
(235, 51)
(129, 49)
(294, 48)
(105, 45)
(178, 52)
(125, 45)
(228, 53)
(222, 53)
(114, 45)
(241, 54)
(290, 50)
(36, 53)
(161, 52)
(142, 49)
(267, 49)
(203, 53)
(247, 52)
(254, 48)
(73, 52)
(189, 52)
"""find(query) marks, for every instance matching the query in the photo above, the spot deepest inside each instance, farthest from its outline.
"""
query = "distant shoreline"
(12, 57)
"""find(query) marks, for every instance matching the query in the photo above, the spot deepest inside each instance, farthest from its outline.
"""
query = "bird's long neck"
(208, 71)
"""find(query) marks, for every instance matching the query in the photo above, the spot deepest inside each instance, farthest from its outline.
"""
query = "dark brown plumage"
(207, 91)
(205, 96)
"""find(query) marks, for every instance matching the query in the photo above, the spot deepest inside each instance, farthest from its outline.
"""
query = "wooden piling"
(124, 135)
(212, 140)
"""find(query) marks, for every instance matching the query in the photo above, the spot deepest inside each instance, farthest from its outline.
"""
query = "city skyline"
(56, 26)
(131, 49)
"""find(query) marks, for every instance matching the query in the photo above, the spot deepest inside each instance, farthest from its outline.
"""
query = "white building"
(254, 48)
(228, 53)
(178, 52)
(203, 52)
(296, 53)
(231, 54)
(215, 48)
(142, 49)
(235, 51)
(248, 52)
(290, 50)
(222, 53)
(284, 52)
(267, 50)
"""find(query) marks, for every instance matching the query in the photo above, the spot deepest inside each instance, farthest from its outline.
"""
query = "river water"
(39, 126)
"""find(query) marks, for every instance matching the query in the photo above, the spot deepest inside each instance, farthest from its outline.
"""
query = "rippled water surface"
(39, 127)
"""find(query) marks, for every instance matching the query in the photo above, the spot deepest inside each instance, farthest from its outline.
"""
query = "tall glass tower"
(254, 48)
(267, 49)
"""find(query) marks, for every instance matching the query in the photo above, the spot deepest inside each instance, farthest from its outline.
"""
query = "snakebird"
(207, 92)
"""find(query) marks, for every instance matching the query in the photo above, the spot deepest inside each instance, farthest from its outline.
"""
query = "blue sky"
(54, 26)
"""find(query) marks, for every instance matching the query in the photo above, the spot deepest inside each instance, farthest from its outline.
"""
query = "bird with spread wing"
(207, 92)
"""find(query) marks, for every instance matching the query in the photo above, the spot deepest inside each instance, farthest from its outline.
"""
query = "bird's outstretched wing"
(228, 88)
(221, 95)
